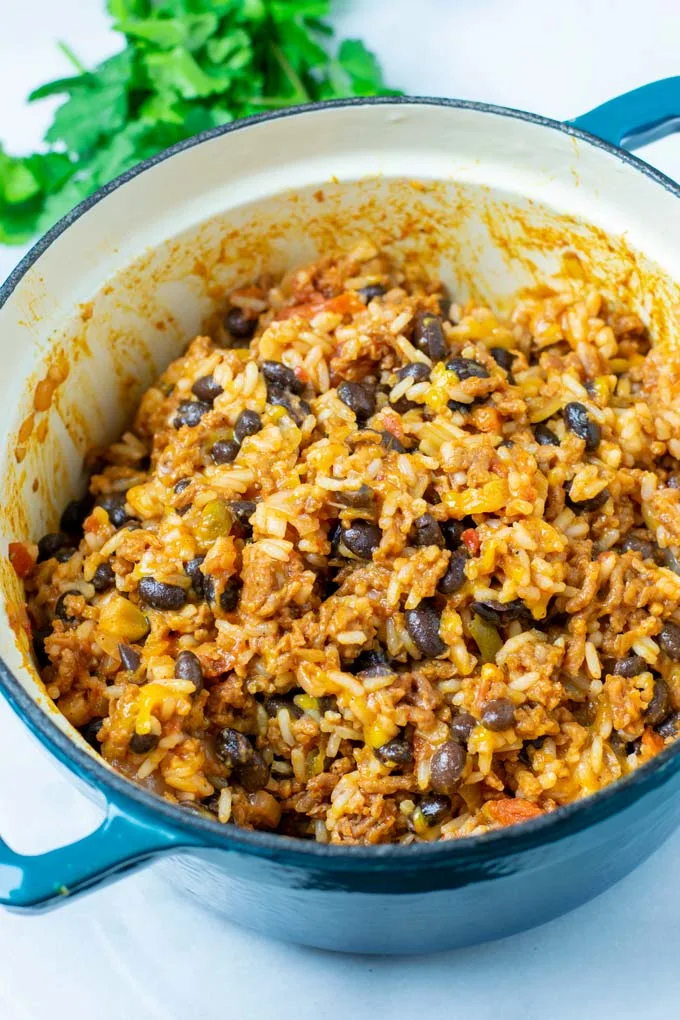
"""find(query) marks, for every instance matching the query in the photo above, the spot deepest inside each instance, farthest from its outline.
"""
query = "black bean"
(660, 705)
(501, 612)
(190, 413)
(554, 618)
(248, 423)
(447, 766)
(583, 712)
(503, 358)
(579, 421)
(381, 669)
(114, 504)
(193, 570)
(403, 405)
(670, 560)
(416, 371)
(545, 436)
(491, 611)
(181, 485)
(670, 726)
(278, 374)
(240, 324)
(673, 482)
(390, 442)
(646, 547)
(585, 505)
(224, 451)
(254, 775)
(103, 577)
(50, 544)
(361, 538)
(188, 667)
(159, 595)
(669, 639)
(297, 408)
(498, 714)
(467, 368)
(435, 807)
(334, 535)
(426, 531)
(423, 626)
(361, 497)
(372, 290)
(208, 588)
(395, 752)
(459, 407)
(233, 748)
(275, 702)
(142, 743)
(461, 727)
(454, 578)
(453, 530)
(243, 510)
(372, 661)
(428, 336)
(631, 666)
(229, 598)
(206, 389)
(90, 731)
(62, 555)
(359, 398)
(39, 637)
(129, 657)
(61, 609)
(75, 513)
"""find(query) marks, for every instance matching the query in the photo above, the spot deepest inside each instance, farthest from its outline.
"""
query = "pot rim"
(545, 829)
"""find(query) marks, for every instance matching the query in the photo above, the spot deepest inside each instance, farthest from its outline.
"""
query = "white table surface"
(138, 949)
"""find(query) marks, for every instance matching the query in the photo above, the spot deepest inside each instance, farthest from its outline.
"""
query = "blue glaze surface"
(638, 117)
(369, 899)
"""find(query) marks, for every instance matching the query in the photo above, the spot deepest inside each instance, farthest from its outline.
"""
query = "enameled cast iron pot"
(496, 199)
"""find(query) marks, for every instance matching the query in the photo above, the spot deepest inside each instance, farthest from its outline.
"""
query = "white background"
(138, 949)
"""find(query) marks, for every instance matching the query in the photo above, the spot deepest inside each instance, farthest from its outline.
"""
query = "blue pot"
(387, 899)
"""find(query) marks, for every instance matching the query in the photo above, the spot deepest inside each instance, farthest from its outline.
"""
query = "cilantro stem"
(71, 57)
(301, 92)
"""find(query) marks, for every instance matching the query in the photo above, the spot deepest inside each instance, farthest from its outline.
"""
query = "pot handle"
(638, 117)
(122, 843)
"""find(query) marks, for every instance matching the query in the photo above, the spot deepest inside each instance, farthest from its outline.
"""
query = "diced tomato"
(511, 810)
(21, 559)
(471, 540)
(392, 423)
(347, 303)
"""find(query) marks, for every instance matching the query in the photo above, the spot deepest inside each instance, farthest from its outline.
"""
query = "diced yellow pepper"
(491, 497)
(438, 393)
(486, 637)
(376, 734)
(124, 620)
(601, 388)
(306, 702)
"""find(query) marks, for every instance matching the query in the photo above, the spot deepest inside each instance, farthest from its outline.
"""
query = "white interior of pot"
(489, 202)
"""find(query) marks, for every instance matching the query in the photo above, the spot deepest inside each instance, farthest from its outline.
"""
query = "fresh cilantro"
(186, 66)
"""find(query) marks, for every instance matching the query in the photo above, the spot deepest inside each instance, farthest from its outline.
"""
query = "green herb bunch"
(186, 66)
